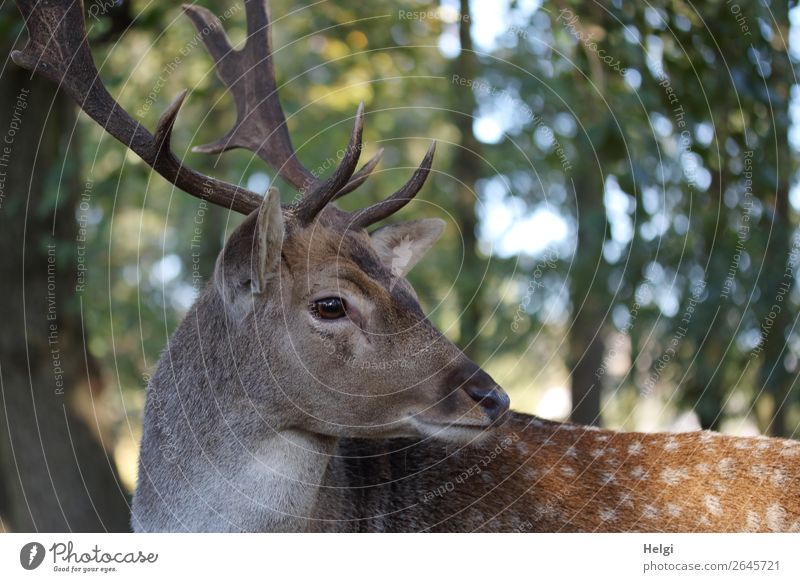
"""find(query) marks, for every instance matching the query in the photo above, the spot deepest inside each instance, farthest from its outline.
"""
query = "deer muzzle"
(493, 400)
(482, 389)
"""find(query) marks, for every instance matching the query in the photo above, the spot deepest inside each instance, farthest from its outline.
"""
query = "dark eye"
(329, 308)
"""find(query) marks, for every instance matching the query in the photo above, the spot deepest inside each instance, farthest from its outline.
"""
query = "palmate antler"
(58, 50)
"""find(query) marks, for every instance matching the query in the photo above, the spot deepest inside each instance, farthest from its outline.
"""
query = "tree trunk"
(775, 381)
(589, 271)
(587, 295)
(466, 170)
(709, 391)
(56, 474)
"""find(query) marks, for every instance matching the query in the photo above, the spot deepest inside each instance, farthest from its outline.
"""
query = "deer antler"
(261, 125)
(58, 50)
(380, 210)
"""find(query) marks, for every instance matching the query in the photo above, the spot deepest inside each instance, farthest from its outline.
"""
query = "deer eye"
(329, 308)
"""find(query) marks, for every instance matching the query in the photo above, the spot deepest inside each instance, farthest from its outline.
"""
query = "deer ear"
(401, 246)
(251, 256)
(268, 241)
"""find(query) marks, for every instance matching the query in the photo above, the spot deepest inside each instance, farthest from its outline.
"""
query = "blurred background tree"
(619, 181)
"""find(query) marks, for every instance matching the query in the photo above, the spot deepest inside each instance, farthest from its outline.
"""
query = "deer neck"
(271, 484)
(213, 458)
(280, 481)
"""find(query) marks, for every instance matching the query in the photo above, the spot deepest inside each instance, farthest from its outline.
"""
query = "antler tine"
(58, 50)
(250, 76)
(163, 134)
(311, 204)
(361, 176)
(380, 210)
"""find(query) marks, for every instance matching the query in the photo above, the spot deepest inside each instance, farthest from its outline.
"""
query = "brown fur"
(542, 476)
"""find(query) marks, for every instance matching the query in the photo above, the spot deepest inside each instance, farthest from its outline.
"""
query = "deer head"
(326, 306)
(311, 310)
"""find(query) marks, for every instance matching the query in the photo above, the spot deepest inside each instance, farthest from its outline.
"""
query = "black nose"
(493, 399)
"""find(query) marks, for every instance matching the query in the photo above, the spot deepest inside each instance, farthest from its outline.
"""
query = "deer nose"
(482, 389)
(492, 399)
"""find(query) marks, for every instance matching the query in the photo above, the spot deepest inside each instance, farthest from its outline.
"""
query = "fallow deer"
(306, 391)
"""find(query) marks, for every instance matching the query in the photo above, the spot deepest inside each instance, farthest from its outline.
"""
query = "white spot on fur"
(758, 471)
(523, 448)
(763, 445)
(713, 505)
(790, 449)
(638, 472)
(607, 478)
(571, 452)
(602, 437)
(607, 514)
(741, 444)
(597, 453)
(650, 512)
(672, 476)
(703, 468)
(635, 448)
(779, 477)
(568, 471)
(726, 468)
(546, 511)
(671, 445)
(626, 499)
(776, 517)
(707, 436)
(531, 474)
(674, 510)
(753, 522)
